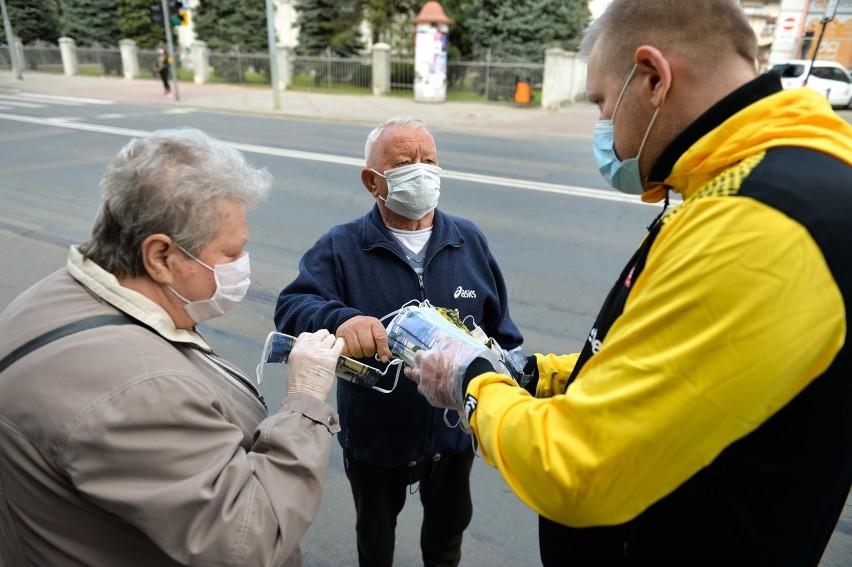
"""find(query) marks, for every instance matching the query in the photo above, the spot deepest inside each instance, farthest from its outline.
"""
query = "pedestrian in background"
(707, 419)
(163, 67)
(404, 249)
(126, 440)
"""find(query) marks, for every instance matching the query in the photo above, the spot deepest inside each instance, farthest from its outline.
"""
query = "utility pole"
(10, 40)
(167, 23)
(830, 12)
(273, 56)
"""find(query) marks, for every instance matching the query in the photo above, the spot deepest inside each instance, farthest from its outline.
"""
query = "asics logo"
(464, 293)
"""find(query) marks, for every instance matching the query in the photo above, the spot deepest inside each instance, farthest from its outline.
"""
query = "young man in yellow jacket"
(707, 419)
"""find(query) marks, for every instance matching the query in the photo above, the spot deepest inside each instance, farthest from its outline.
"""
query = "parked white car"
(827, 77)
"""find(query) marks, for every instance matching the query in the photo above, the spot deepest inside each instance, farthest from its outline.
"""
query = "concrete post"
(381, 69)
(68, 51)
(19, 49)
(200, 62)
(577, 88)
(129, 58)
(558, 78)
(285, 68)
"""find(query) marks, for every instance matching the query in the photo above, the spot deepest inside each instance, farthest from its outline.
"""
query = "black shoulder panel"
(814, 189)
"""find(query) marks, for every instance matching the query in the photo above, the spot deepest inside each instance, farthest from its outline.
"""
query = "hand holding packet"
(278, 347)
(416, 327)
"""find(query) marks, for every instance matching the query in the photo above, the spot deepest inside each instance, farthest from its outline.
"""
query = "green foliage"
(526, 28)
(328, 23)
(390, 22)
(90, 21)
(33, 20)
(461, 46)
(225, 24)
(134, 22)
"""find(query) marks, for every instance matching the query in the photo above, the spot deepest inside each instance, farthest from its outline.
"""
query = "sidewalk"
(574, 120)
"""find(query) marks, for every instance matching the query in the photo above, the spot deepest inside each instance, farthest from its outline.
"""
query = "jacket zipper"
(422, 285)
(238, 382)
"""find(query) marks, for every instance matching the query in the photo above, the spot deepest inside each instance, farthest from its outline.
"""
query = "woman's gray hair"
(168, 183)
(402, 121)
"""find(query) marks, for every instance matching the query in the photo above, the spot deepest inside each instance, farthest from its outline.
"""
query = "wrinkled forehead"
(403, 139)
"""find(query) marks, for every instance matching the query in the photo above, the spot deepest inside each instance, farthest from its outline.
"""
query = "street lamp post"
(171, 46)
(273, 57)
(10, 40)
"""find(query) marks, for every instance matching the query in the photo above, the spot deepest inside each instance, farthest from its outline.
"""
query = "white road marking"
(68, 100)
(13, 101)
(574, 191)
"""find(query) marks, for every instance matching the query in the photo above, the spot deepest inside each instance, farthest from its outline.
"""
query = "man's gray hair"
(168, 183)
(402, 121)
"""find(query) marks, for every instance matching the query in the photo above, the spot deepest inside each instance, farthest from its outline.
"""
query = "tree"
(461, 46)
(226, 24)
(525, 28)
(90, 21)
(33, 20)
(328, 23)
(134, 22)
(387, 18)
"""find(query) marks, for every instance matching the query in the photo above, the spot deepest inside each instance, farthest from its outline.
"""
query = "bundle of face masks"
(415, 328)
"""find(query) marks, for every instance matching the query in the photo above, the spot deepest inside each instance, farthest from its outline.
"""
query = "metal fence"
(99, 59)
(331, 73)
(489, 80)
(492, 80)
(41, 56)
(239, 67)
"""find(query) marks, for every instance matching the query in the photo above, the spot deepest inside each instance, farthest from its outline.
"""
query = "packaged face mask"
(415, 328)
(278, 347)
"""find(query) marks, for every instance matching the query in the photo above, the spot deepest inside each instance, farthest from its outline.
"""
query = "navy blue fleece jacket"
(359, 268)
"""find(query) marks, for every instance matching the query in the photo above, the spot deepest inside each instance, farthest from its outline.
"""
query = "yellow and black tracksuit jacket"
(708, 420)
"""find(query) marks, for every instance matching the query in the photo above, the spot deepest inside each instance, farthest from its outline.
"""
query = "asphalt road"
(560, 236)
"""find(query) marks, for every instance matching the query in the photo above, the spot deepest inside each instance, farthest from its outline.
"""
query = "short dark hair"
(709, 32)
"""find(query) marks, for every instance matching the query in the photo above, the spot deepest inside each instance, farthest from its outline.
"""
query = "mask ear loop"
(395, 362)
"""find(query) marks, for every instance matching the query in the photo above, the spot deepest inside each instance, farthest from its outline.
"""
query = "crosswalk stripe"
(68, 100)
(15, 102)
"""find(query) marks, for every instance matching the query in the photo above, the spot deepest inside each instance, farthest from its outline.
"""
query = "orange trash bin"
(523, 93)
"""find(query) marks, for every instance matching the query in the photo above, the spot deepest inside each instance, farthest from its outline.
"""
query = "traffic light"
(184, 17)
(156, 13)
(175, 7)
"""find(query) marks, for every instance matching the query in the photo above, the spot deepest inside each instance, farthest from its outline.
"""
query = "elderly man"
(124, 440)
(707, 420)
(403, 250)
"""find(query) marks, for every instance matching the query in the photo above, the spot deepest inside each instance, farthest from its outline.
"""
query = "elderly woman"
(124, 440)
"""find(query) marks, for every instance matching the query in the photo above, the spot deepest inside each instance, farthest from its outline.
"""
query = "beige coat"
(128, 445)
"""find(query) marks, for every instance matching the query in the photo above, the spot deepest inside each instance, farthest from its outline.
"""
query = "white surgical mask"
(413, 190)
(232, 284)
(621, 175)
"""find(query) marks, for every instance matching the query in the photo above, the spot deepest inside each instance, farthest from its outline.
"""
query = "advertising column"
(431, 41)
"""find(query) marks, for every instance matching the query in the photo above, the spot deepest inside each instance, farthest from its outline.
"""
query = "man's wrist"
(477, 367)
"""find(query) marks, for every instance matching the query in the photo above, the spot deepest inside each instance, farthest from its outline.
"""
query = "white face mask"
(413, 190)
(232, 284)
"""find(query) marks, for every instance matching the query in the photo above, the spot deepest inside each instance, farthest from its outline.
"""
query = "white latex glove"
(439, 371)
(311, 366)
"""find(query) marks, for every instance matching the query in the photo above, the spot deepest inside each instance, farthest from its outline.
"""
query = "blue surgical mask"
(621, 175)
